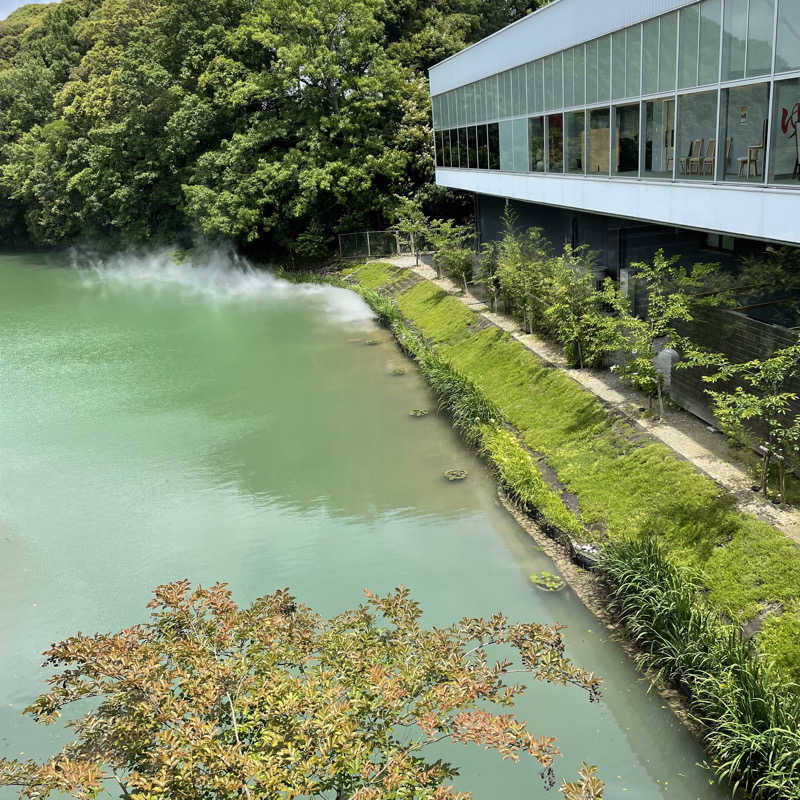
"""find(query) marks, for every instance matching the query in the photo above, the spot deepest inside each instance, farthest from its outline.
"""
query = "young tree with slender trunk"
(672, 292)
(757, 398)
(271, 702)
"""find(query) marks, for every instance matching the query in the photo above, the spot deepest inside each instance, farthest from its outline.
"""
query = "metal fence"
(374, 244)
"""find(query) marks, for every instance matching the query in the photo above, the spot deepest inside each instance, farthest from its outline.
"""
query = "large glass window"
(659, 138)
(599, 141)
(667, 52)
(536, 144)
(785, 153)
(520, 129)
(618, 60)
(558, 77)
(555, 143)
(604, 69)
(506, 94)
(633, 60)
(519, 91)
(483, 147)
(591, 72)
(507, 146)
(472, 147)
(463, 158)
(469, 105)
(450, 153)
(745, 110)
(534, 79)
(734, 39)
(579, 72)
(437, 143)
(710, 13)
(569, 89)
(492, 109)
(626, 140)
(690, 40)
(697, 138)
(759, 37)
(480, 102)
(650, 48)
(788, 48)
(575, 142)
(493, 132)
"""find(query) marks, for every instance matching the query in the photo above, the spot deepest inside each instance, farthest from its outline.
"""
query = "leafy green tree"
(271, 123)
(523, 267)
(758, 397)
(574, 309)
(672, 293)
(271, 701)
(487, 272)
(453, 249)
(410, 220)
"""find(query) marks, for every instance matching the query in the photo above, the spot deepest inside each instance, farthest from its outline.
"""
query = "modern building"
(635, 124)
(679, 113)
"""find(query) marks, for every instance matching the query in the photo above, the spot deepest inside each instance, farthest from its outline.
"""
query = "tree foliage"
(757, 395)
(271, 701)
(672, 292)
(257, 121)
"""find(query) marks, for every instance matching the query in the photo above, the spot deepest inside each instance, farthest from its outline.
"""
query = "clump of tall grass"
(523, 481)
(750, 716)
(458, 396)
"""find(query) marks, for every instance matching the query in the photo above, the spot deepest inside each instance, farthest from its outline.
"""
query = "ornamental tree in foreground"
(209, 700)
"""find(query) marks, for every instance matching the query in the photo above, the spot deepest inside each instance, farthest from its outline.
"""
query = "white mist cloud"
(216, 275)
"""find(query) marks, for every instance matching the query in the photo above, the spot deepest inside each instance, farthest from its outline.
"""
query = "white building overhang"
(770, 214)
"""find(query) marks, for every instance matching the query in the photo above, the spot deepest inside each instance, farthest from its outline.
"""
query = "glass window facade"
(785, 153)
(555, 143)
(687, 96)
(787, 55)
(744, 117)
(575, 142)
(658, 126)
(536, 145)
(625, 153)
(697, 138)
(599, 141)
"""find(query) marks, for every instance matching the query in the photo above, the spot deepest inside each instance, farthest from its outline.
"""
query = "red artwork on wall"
(790, 120)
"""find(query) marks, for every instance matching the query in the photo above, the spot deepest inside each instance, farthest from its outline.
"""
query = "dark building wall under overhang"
(617, 242)
(620, 243)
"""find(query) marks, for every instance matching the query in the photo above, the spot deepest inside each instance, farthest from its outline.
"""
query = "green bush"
(750, 715)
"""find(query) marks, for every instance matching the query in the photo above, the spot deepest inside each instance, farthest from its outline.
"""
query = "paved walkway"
(689, 437)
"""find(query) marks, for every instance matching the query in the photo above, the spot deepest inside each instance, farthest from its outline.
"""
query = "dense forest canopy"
(269, 123)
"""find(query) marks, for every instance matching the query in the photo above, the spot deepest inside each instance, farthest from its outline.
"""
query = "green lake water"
(160, 422)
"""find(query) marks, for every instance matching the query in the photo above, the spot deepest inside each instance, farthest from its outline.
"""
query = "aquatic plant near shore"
(750, 715)
(547, 582)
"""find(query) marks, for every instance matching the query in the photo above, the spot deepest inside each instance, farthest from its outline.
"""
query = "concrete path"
(689, 437)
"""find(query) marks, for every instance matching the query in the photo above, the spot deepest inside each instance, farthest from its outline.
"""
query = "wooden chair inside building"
(697, 165)
(695, 151)
(750, 161)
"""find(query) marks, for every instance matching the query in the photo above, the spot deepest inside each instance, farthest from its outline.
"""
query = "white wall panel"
(741, 211)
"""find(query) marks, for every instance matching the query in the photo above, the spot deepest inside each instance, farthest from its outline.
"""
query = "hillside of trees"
(272, 124)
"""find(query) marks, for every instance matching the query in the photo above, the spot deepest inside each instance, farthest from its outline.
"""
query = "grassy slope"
(630, 488)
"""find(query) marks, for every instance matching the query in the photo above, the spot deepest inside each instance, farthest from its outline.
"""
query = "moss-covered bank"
(627, 485)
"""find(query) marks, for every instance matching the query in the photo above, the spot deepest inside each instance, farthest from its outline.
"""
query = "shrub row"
(750, 716)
